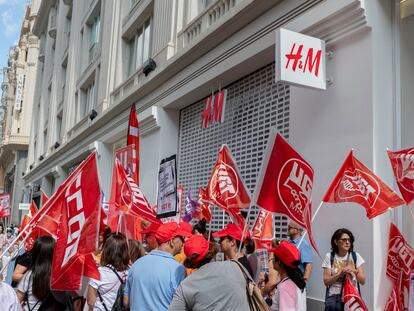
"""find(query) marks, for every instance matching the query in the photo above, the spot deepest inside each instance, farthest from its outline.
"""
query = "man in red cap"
(180, 257)
(149, 236)
(217, 285)
(230, 240)
(152, 279)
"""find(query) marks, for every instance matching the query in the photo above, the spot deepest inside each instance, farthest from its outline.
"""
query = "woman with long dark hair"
(34, 287)
(340, 262)
(114, 267)
(289, 294)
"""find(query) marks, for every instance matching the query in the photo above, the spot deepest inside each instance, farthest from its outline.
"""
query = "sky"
(11, 14)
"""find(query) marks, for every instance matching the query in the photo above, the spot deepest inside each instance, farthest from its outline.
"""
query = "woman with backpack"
(341, 261)
(106, 294)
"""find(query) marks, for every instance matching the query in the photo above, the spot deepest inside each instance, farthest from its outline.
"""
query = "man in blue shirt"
(153, 279)
(306, 257)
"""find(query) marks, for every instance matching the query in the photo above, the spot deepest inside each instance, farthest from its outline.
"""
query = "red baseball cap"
(196, 244)
(152, 228)
(230, 230)
(168, 231)
(287, 253)
(186, 226)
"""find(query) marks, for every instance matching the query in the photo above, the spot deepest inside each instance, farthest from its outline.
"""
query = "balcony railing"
(13, 139)
(209, 17)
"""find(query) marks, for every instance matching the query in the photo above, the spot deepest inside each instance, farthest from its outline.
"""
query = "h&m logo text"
(310, 64)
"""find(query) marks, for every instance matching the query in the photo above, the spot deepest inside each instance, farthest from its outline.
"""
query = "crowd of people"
(181, 267)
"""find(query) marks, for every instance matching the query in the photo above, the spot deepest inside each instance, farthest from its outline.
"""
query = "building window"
(59, 126)
(45, 141)
(94, 34)
(87, 100)
(140, 46)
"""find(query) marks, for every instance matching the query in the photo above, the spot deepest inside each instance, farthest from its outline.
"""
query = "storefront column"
(386, 128)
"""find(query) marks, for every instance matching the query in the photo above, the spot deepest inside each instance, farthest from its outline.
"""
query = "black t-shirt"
(245, 262)
(24, 260)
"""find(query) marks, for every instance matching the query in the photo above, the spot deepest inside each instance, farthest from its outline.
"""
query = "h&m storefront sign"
(300, 59)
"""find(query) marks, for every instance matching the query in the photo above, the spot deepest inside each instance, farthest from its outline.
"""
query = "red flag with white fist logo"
(402, 163)
(285, 183)
(79, 201)
(127, 199)
(400, 260)
(356, 183)
(225, 188)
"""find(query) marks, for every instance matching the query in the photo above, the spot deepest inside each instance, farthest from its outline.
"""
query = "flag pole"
(246, 224)
(119, 222)
(15, 253)
(410, 208)
(313, 218)
(31, 223)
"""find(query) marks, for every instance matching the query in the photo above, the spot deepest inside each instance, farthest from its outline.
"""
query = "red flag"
(400, 261)
(225, 188)
(25, 221)
(263, 230)
(29, 215)
(203, 210)
(285, 183)
(44, 198)
(79, 200)
(356, 183)
(46, 220)
(396, 300)
(402, 163)
(127, 199)
(5, 210)
(133, 139)
(130, 225)
(351, 298)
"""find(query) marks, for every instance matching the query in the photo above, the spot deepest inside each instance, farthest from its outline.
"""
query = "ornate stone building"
(17, 108)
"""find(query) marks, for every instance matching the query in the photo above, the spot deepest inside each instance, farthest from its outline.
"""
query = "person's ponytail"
(296, 275)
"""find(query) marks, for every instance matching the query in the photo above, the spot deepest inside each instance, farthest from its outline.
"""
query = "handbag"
(254, 295)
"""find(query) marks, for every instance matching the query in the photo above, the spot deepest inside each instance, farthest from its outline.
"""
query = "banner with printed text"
(167, 199)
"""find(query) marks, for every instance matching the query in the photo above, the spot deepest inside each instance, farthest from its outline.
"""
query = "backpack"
(254, 295)
(55, 300)
(119, 300)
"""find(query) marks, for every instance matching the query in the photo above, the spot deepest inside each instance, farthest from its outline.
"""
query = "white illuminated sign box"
(300, 59)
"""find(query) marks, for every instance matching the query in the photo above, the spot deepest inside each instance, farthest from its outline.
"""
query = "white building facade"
(93, 57)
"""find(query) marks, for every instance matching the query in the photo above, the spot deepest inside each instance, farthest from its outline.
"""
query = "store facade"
(366, 106)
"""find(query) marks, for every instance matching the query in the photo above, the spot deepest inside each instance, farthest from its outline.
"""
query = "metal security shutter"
(254, 104)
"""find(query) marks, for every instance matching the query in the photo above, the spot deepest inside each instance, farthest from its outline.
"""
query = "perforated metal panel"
(254, 104)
